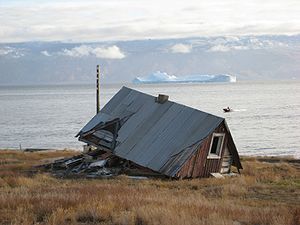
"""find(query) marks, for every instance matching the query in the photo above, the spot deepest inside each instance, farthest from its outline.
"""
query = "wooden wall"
(198, 165)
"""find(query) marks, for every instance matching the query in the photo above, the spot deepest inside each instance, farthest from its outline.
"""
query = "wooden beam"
(98, 90)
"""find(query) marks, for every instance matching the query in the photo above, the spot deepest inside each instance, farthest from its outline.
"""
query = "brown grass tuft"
(267, 192)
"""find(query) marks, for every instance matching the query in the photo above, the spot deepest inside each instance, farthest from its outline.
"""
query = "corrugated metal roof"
(157, 136)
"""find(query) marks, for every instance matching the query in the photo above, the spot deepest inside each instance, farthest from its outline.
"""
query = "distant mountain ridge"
(248, 57)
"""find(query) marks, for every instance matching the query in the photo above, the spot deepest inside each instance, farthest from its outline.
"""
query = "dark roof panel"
(157, 136)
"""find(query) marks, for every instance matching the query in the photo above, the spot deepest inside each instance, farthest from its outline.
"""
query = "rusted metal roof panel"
(157, 136)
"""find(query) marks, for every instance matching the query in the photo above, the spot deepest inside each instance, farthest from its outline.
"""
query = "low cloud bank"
(111, 52)
(45, 53)
(12, 52)
(181, 48)
(229, 44)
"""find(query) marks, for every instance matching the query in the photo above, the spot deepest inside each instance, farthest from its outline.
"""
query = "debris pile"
(95, 164)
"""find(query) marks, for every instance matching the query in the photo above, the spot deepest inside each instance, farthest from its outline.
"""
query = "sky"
(61, 41)
(103, 20)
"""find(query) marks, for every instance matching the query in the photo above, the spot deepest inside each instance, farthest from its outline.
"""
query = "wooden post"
(98, 89)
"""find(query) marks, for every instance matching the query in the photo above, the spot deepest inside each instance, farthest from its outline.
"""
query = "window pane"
(214, 146)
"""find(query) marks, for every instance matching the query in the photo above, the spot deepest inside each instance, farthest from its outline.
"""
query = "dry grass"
(267, 193)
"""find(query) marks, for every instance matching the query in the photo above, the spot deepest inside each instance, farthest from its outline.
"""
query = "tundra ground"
(267, 192)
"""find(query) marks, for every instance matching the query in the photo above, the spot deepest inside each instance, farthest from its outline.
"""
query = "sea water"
(265, 120)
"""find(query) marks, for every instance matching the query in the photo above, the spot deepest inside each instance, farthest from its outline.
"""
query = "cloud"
(79, 51)
(11, 52)
(219, 48)
(111, 52)
(93, 20)
(181, 48)
(225, 48)
(45, 53)
(243, 43)
(5, 51)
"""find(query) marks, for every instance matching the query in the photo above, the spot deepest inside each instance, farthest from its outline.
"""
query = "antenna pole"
(98, 89)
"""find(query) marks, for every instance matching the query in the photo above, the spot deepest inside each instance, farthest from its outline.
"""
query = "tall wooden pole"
(98, 89)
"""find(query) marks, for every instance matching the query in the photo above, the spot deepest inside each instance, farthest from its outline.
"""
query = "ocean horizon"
(265, 117)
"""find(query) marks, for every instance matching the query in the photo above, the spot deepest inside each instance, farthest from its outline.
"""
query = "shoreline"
(292, 157)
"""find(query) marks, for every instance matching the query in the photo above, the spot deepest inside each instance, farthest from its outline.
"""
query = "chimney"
(161, 99)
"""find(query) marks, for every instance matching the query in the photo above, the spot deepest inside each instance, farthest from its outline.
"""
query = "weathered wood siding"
(227, 161)
(199, 165)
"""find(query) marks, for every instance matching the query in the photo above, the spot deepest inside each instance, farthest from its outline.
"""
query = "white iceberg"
(162, 77)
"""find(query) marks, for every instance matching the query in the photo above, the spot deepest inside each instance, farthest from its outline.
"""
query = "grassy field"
(267, 192)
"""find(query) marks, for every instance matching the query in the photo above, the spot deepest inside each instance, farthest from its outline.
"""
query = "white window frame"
(219, 153)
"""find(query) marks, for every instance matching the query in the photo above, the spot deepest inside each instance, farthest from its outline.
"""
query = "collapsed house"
(160, 136)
